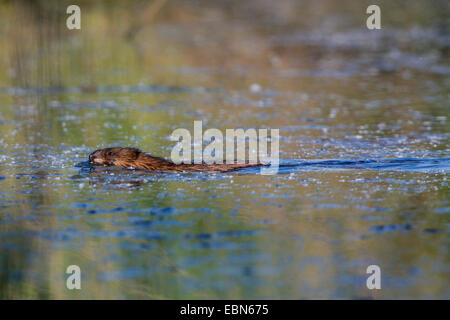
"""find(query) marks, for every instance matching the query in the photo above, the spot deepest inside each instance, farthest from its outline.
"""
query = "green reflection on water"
(240, 236)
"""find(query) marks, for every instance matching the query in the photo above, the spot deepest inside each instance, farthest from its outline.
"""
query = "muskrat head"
(123, 157)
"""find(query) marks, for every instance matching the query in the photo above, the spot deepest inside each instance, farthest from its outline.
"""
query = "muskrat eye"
(110, 153)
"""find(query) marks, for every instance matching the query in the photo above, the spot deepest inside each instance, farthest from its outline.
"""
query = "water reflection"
(363, 118)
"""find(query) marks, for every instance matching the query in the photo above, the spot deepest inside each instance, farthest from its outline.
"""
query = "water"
(363, 177)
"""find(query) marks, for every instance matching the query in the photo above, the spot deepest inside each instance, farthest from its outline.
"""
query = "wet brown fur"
(135, 158)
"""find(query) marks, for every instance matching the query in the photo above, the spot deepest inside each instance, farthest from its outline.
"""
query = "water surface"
(364, 148)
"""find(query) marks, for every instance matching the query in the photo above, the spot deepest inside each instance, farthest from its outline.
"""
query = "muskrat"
(136, 159)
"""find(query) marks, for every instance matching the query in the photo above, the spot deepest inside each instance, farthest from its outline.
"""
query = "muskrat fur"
(136, 159)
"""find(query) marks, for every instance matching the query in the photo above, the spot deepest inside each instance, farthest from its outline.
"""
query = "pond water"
(364, 148)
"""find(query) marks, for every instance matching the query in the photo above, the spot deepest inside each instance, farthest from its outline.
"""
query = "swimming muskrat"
(135, 158)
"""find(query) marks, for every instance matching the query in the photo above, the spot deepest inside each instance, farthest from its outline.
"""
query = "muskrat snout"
(95, 158)
(108, 156)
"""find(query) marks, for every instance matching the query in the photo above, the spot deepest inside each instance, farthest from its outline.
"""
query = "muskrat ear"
(134, 152)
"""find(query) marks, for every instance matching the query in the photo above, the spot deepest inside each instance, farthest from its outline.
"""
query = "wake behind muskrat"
(133, 158)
